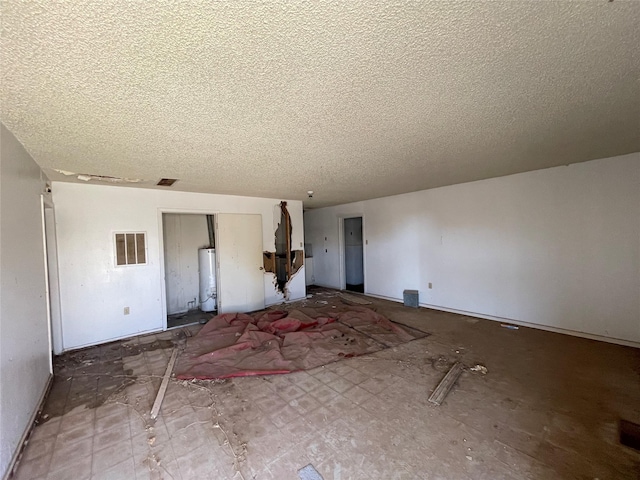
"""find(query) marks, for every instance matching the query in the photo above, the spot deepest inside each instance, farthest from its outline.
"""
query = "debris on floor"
(443, 388)
(510, 327)
(97, 413)
(309, 473)
(479, 368)
(441, 363)
(276, 341)
(353, 300)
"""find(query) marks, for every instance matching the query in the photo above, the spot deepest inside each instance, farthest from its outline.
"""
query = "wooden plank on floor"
(441, 391)
(163, 386)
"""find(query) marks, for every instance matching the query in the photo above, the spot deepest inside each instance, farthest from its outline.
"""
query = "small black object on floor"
(630, 434)
(355, 288)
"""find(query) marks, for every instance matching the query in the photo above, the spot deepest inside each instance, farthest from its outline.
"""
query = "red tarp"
(237, 345)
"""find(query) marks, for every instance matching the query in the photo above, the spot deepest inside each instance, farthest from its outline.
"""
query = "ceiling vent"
(167, 182)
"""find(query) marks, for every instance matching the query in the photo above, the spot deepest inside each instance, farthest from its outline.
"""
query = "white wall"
(184, 234)
(558, 247)
(93, 292)
(24, 332)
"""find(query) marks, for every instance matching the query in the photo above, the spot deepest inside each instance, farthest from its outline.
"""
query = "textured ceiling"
(353, 100)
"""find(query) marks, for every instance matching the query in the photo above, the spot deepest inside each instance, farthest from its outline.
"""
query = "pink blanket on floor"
(273, 342)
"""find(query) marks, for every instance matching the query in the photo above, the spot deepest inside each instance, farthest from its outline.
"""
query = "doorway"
(212, 264)
(353, 255)
(189, 247)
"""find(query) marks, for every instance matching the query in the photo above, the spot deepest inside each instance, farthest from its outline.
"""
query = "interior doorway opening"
(353, 255)
(190, 268)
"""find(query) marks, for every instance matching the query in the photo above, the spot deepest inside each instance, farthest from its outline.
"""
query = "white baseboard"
(113, 339)
(27, 431)
(575, 333)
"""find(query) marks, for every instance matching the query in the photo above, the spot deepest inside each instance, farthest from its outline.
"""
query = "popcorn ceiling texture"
(353, 100)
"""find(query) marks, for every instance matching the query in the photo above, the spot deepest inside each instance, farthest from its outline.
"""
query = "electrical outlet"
(126, 310)
(430, 285)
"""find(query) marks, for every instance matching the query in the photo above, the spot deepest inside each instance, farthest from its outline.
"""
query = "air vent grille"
(167, 182)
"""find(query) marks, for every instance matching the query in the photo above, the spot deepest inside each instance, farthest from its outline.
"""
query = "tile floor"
(547, 408)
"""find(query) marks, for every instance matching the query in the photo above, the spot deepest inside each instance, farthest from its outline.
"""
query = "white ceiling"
(353, 100)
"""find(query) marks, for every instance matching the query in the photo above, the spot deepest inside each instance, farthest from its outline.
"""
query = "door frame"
(341, 249)
(54, 308)
(48, 240)
(163, 278)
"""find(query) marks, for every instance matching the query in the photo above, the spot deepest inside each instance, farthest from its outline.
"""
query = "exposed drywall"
(184, 234)
(94, 291)
(24, 332)
(285, 262)
(558, 247)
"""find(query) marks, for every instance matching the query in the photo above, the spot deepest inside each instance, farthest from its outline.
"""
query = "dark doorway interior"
(353, 254)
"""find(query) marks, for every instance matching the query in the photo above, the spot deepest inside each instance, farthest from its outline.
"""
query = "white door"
(240, 264)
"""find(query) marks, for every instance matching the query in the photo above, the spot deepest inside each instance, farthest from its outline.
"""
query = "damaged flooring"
(548, 407)
(188, 318)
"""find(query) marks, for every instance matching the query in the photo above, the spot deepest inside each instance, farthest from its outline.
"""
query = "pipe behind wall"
(212, 239)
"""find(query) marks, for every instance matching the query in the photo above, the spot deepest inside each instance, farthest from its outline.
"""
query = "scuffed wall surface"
(557, 247)
(24, 341)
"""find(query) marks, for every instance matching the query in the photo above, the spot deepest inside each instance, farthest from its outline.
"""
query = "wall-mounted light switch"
(126, 310)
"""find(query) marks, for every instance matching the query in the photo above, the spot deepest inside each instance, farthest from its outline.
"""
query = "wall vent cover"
(167, 182)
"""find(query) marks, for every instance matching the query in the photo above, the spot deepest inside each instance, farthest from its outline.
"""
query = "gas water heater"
(207, 265)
